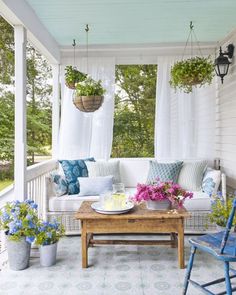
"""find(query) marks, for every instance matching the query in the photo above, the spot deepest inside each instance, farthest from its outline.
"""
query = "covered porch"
(200, 125)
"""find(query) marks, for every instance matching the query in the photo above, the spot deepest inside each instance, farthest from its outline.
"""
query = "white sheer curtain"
(178, 116)
(88, 134)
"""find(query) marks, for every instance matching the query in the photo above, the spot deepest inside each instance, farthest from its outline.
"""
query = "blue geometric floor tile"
(116, 270)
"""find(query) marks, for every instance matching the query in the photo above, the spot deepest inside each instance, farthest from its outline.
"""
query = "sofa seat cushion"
(69, 203)
(200, 202)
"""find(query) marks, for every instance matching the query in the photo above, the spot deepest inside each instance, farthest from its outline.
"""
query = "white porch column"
(55, 109)
(20, 188)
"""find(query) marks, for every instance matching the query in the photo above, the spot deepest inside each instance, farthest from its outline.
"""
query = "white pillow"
(104, 168)
(93, 186)
(211, 181)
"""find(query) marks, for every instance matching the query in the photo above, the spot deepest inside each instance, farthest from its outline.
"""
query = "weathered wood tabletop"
(138, 212)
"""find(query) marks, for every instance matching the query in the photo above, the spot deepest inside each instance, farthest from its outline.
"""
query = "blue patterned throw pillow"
(164, 171)
(60, 184)
(74, 169)
(211, 181)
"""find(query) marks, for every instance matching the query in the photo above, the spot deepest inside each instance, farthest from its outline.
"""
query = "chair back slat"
(228, 227)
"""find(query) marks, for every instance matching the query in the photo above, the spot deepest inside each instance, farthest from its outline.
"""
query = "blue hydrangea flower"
(13, 228)
(34, 206)
(49, 235)
(5, 216)
(28, 217)
(31, 224)
(29, 201)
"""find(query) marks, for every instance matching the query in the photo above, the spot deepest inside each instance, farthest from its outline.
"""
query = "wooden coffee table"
(138, 221)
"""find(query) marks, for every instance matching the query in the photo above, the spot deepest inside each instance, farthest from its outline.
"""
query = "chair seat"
(211, 243)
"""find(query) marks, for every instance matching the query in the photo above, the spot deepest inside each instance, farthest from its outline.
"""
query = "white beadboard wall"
(225, 135)
(205, 123)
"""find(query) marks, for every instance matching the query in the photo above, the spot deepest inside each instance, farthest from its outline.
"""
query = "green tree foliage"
(6, 126)
(133, 134)
(38, 98)
(6, 52)
(38, 104)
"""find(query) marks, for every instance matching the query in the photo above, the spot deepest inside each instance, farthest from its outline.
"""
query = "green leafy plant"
(90, 87)
(191, 72)
(49, 233)
(19, 219)
(73, 76)
(220, 211)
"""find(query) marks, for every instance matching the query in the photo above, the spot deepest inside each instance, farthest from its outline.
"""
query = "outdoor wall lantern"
(222, 62)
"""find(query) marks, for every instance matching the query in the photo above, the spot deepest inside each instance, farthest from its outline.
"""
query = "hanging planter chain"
(88, 103)
(193, 71)
(190, 36)
(72, 75)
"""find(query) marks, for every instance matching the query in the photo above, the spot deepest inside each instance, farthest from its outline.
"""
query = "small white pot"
(18, 253)
(48, 254)
(158, 205)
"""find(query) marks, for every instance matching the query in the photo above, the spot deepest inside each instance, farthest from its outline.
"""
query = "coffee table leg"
(84, 245)
(173, 239)
(181, 246)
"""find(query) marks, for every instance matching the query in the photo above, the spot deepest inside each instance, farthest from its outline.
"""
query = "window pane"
(135, 97)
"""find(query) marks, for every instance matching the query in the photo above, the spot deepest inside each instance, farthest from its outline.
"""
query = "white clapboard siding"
(225, 135)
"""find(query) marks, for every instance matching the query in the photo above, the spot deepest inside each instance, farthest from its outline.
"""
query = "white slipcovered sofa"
(132, 171)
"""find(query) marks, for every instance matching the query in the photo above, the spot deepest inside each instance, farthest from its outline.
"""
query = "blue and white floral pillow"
(211, 181)
(72, 170)
(60, 184)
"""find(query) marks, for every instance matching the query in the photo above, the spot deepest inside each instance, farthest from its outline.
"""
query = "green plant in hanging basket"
(89, 87)
(88, 96)
(73, 76)
(196, 71)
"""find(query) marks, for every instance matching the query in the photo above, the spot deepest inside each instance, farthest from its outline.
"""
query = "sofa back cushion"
(163, 171)
(211, 181)
(105, 168)
(134, 170)
(59, 183)
(72, 170)
(191, 175)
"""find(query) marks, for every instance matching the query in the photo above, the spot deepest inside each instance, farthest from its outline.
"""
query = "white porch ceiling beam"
(138, 53)
(18, 12)
(20, 162)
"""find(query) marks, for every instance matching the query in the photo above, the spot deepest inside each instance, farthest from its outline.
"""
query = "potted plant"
(89, 95)
(73, 76)
(19, 220)
(160, 195)
(220, 211)
(47, 237)
(192, 72)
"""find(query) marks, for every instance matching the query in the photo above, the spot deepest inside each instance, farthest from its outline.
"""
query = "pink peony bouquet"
(162, 191)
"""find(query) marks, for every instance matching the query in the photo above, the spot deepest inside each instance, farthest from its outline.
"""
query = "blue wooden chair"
(222, 246)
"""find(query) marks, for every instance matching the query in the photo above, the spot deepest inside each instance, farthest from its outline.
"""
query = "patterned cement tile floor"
(116, 270)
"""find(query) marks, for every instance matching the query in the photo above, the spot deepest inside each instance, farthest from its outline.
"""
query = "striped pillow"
(104, 168)
(191, 175)
(163, 171)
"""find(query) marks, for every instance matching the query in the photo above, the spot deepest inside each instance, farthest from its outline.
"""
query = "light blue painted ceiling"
(135, 21)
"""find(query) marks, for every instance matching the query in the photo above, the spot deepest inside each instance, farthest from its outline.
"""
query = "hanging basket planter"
(73, 76)
(88, 96)
(88, 104)
(196, 71)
